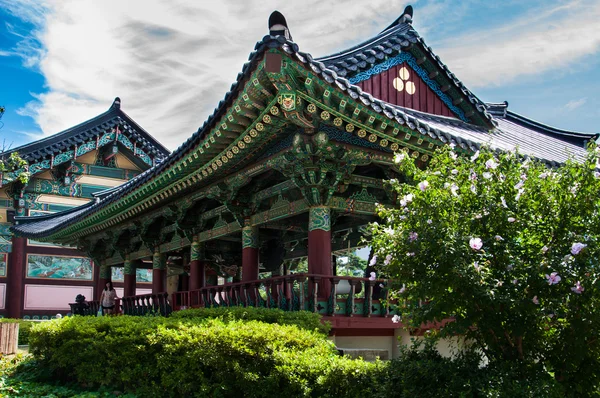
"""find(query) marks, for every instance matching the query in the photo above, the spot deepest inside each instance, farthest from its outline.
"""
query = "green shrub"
(24, 327)
(303, 319)
(196, 357)
(20, 376)
(187, 357)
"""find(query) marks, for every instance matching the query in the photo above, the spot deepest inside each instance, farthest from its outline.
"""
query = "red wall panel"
(423, 99)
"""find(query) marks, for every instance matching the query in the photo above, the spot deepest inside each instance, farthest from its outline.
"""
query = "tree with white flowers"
(506, 249)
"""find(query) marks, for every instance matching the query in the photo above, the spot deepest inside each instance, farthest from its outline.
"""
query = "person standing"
(108, 299)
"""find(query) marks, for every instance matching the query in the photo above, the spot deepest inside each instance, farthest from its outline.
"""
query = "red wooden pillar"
(319, 247)
(105, 276)
(249, 252)
(129, 279)
(159, 268)
(15, 274)
(197, 272)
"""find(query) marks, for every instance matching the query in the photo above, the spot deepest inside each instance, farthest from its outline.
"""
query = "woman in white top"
(108, 298)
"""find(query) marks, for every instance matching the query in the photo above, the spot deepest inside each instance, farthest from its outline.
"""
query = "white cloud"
(544, 40)
(172, 62)
(574, 104)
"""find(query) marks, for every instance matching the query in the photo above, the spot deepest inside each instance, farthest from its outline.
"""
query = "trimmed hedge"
(230, 357)
(303, 319)
(174, 357)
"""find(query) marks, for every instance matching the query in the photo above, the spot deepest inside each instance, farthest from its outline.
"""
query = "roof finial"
(405, 18)
(407, 14)
(116, 103)
(278, 25)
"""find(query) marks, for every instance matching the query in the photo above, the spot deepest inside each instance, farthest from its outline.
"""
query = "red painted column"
(159, 268)
(249, 252)
(129, 272)
(319, 247)
(15, 273)
(104, 277)
(197, 272)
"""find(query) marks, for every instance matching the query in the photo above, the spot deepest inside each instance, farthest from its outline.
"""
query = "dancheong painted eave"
(111, 127)
(507, 132)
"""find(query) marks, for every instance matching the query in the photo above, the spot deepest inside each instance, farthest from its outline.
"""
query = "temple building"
(39, 279)
(290, 166)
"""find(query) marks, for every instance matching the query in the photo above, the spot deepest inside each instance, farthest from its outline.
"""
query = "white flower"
(390, 231)
(519, 185)
(396, 319)
(476, 243)
(491, 164)
(487, 175)
(373, 261)
(511, 219)
(454, 171)
(399, 157)
(373, 276)
(519, 193)
(473, 188)
(535, 300)
(410, 254)
(544, 175)
(545, 249)
(577, 248)
(409, 198)
(453, 156)
(429, 221)
(454, 189)
(498, 238)
(402, 289)
(477, 266)
(503, 202)
(475, 156)
(423, 185)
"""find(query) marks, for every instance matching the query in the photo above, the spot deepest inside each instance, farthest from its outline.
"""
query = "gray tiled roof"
(84, 132)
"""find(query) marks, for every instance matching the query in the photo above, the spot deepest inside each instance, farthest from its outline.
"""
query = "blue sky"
(171, 62)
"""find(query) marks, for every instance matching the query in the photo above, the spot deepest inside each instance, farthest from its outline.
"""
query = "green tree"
(507, 249)
(351, 265)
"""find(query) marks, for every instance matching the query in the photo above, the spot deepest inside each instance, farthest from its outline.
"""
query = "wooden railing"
(146, 304)
(325, 294)
(87, 308)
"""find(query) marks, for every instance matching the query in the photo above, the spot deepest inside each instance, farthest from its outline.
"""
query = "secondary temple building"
(290, 165)
(38, 279)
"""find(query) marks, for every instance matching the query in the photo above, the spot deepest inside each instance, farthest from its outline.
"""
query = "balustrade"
(348, 296)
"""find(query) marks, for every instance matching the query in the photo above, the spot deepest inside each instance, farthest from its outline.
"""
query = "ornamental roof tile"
(512, 131)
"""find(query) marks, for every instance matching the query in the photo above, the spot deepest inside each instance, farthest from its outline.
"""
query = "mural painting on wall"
(59, 267)
(3, 261)
(141, 275)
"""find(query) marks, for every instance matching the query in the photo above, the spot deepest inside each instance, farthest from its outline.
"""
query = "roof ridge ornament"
(405, 18)
(116, 103)
(278, 25)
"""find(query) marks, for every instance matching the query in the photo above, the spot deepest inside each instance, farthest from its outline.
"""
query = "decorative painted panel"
(53, 297)
(2, 296)
(106, 138)
(141, 275)
(85, 148)
(59, 267)
(125, 141)
(3, 262)
(401, 81)
(143, 155)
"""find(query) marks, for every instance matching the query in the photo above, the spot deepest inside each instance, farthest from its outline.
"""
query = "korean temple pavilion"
(38, 279)
(289, 166)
